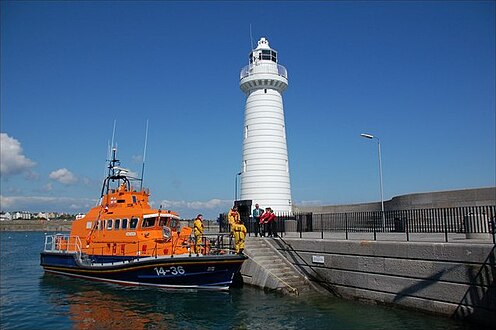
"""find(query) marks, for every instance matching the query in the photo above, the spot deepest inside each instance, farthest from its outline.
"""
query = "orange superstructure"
(123, 240)
(124, 224)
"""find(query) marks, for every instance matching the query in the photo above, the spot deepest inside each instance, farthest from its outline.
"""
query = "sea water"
(31, 299)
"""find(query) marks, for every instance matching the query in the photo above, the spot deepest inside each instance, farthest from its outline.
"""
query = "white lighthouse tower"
(265, 167)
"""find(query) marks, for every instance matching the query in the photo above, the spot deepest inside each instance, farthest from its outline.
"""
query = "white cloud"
(43, 203)
(189, 209)
(47, 187)
(137, 158)
(196, 205)
(310, 203)
(12, 161)
(63, 176)
(6, 202)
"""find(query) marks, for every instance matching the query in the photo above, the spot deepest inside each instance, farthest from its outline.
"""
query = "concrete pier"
(454, 279)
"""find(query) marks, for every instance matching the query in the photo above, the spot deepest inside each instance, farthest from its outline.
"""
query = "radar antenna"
(144, 156)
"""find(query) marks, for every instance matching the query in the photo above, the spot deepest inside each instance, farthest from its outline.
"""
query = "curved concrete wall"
(439, 199)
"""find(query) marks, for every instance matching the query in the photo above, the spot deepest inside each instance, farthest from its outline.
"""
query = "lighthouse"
(264, 177)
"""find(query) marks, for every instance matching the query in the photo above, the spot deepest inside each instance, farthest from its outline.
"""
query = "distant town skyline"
(420, 75)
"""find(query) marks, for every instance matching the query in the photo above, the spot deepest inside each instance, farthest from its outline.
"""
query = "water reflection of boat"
(100, 307)
(123, 240)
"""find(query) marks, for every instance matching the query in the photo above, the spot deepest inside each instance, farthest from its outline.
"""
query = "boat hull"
(212, 272)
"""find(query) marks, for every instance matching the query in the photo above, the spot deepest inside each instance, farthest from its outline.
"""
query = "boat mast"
(144, 156)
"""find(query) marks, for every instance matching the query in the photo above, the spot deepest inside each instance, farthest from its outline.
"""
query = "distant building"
(5, 216)
(42, 215)
(23, 215)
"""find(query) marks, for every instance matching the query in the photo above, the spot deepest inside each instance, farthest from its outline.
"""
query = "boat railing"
(218, 243)
(211, 244)
(63, 243)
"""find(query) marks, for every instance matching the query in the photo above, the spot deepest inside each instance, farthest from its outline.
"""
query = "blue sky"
(419, 75)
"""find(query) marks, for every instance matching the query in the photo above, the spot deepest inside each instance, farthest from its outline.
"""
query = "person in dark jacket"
(257, 213)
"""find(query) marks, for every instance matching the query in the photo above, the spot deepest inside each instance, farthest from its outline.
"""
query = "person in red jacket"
(264, 221)
(269, 222)
(271, 225)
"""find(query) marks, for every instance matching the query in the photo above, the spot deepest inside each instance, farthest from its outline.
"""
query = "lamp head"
(367, 136)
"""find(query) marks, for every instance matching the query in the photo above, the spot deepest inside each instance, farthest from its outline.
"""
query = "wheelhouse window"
(101, 224)
(163, 222)
(135, 200)
(175, 224)
(134, 223)
(148, 222)
(110, 224)
(117, 224)
(124, 224)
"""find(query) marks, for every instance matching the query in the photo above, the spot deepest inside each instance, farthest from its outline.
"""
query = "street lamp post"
(369, 136)
(236, 186)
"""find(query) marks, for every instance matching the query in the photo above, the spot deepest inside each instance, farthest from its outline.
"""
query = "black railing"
(470, 221)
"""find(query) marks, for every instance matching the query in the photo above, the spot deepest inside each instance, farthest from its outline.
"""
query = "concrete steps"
(268, 269)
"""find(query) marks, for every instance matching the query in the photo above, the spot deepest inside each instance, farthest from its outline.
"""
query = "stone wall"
(453, 279)
(439, 199)
(36, 225)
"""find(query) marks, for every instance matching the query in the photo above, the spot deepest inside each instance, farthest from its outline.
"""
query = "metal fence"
(472, 222)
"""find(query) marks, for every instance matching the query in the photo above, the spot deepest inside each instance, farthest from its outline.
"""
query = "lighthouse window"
(266, 54)
(134, 223)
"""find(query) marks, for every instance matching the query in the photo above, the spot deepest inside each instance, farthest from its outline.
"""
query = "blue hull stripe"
(215, 286)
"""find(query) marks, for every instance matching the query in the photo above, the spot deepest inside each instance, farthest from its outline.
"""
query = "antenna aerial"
(144, 155)
(251, 38)
(113, 135)
(110, 146)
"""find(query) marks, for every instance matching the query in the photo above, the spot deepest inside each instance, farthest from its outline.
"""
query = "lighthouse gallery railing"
(263, 68)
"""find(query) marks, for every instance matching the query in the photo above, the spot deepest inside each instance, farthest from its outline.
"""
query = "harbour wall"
(453, 279)
(438, 199)
(36, 225)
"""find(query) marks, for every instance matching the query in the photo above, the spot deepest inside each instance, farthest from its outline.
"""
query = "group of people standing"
(265, 222)
(265, 225)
